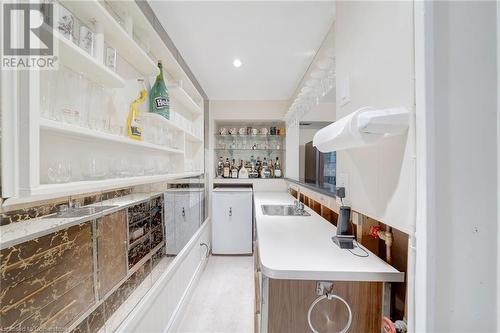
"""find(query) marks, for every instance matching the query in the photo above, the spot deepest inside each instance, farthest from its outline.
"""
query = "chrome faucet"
(299, 206)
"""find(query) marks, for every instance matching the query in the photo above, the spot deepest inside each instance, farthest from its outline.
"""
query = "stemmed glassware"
(59, 171)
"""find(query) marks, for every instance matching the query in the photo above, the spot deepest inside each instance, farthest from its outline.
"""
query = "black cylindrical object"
(343, 220)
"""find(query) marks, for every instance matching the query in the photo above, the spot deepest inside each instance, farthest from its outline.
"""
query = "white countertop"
(258, 184)
(300, 248)
(19, 232)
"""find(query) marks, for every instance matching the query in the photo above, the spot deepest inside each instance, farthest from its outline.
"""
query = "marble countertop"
(19, 232)
(300, 248)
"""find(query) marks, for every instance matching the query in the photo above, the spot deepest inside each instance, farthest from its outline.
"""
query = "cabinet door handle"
(230, 211)
(183, 212)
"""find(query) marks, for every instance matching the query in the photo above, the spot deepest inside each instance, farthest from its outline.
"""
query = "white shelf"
(170, 124)
(80, 61)
(48, 191)
(192, 138)
(164, 121)
(77, 131)
(143, 28)
(182, 97)
(114, 34)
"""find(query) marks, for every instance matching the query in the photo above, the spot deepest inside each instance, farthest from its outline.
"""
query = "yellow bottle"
(134, 130)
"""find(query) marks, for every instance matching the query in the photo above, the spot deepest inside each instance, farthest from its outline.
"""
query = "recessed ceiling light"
(237, 63)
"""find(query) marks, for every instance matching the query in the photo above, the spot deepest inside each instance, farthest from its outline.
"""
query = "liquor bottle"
(234, 170)
(159, 101)
(264, 172)
(271, 168)
(253, 172)
(258, 165)
(243, 173)
(277, 168)
(227, 169)
(220, 167)
(134, 130)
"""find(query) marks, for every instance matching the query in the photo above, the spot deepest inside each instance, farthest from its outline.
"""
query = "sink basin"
(80, 212)
(283, 210)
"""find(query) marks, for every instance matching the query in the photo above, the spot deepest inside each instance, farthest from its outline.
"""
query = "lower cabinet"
(283, 305)
(232, 224)
(183, 217)
(111, 250)
(289, 302)
(47, 282)
(139, 231)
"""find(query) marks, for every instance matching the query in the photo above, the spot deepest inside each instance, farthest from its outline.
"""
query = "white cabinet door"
(232, 222)
(181, 216)
(169, 217)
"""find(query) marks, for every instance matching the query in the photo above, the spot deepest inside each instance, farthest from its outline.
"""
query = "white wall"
(374, 50)
(464, 235)
(292, 151)
(325, 111)
(498, 166)
(247, 110)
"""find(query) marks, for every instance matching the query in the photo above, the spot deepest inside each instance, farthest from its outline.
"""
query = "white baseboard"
(133, 319)
(179, 312)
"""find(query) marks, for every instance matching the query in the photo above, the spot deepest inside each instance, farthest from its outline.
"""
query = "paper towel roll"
(345, 133)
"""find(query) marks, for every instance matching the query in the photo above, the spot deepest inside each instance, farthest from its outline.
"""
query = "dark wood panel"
(31, 284)
(316, 206)
(35, 293)
(60, 313)
(289, 301)
(111, 250)
(14, 272)
(329, 215)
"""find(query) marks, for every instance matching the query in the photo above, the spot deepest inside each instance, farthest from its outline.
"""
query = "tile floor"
(223, 301)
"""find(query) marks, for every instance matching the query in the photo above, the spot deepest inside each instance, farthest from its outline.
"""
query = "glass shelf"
(249, 149)
(259, 136)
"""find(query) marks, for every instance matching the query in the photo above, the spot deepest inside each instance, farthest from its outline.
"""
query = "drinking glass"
(147, 134)
(162, 136)
(59, 171)
(47, 79)
(95, 169)
(119, 167)
(150, 167)
(71, 116)
(163, 166)
(95, 107)
(62, 99)
(82, 92)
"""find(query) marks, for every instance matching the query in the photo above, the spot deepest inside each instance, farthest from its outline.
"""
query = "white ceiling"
(276, 41)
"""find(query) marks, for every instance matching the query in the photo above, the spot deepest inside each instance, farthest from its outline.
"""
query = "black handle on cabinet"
(230, 211)
(183, 212)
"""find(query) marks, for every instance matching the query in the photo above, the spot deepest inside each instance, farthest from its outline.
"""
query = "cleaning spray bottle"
(134, 130)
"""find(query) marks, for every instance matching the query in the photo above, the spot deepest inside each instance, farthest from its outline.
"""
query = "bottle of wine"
(220, 167)
(227, 169)
(159, 101)
(234, 170)
(277, 168)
